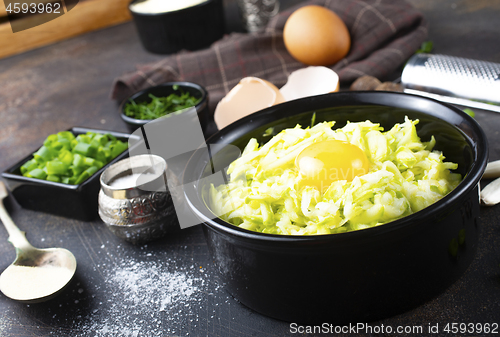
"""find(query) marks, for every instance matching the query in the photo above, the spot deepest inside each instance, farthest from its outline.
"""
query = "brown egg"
(315, 35)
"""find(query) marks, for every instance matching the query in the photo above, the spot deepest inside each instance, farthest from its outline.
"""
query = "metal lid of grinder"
(453, 76)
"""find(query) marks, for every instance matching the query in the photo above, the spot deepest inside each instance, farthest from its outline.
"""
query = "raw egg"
(248, 96)
(324, 162)
(315, 35)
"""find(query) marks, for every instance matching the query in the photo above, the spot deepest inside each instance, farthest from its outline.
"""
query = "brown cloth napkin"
(384, 34)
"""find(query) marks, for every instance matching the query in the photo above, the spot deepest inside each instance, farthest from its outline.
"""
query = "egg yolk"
(324, 162)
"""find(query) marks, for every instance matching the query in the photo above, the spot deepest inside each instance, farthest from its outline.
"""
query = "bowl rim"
(130, 163)
(138, 122)
(383, 98)
(9, 174)
(203, 3)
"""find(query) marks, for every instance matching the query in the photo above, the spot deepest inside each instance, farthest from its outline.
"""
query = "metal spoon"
(36, 275)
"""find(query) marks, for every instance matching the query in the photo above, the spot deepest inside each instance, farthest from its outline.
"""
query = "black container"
(357, 276)
(165, 89)
(70, 201)
(191, 28)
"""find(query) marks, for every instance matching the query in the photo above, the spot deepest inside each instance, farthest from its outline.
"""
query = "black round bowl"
(190, 28)
(164, 90)
(356, 276)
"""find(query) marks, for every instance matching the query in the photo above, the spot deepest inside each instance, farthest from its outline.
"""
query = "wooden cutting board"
(86, 16)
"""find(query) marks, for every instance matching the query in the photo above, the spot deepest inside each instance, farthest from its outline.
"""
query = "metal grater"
(454, 80)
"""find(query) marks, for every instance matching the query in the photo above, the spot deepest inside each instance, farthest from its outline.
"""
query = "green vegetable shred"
(265, 193)
(469, 112)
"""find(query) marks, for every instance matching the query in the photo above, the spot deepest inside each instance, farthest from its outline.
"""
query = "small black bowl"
(357, 276)
(70, 201)
(190, 28)
(165, 89)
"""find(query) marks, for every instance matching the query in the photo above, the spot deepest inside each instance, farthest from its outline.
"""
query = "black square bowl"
(70, 201)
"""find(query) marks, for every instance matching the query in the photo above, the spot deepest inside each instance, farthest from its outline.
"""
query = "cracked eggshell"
(310, 81)
(251, 94)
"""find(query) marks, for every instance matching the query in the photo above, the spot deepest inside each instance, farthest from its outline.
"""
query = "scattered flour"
(137, 288)
(2, 325)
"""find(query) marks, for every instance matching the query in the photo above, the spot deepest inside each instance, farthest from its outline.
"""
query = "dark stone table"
(170, 287)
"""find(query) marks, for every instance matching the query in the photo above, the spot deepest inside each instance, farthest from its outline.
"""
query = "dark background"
(68, 84)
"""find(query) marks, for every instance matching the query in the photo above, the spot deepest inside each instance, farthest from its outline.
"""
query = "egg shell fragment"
(251, 94)
(310, 81)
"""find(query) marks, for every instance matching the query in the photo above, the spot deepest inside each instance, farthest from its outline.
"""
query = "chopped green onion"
(103, 154)
(28, 166)
(66, 157)
(55, 167)
(53, 178)
(83, 139)
(64, 143)
(43, 154)
(37, 173)
(50, 139)
(65, 135)
(99, 140)
(71, 160)
(117, 148)
(85, 149)
(75, 171)
(86, 174)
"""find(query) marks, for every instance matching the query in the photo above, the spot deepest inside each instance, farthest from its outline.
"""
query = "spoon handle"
(16, 236)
